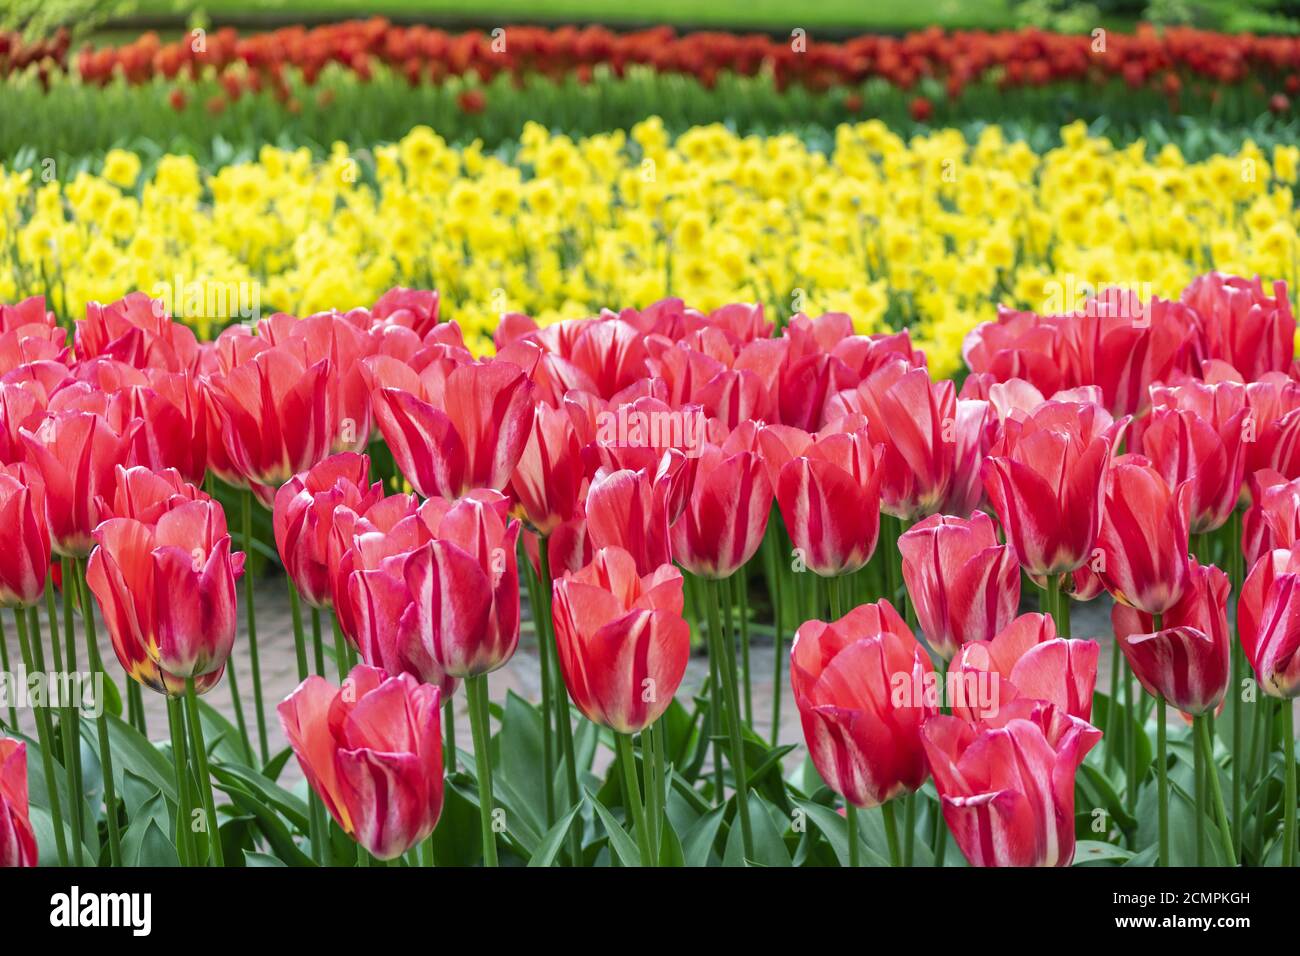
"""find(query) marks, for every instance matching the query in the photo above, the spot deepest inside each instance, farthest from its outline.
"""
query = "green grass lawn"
(758, 14)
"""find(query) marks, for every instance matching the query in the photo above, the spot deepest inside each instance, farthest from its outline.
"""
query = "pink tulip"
(1007, 784)
(372, 750)
(964, 585)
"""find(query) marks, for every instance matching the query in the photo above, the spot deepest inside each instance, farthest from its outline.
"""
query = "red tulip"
(139, 331)
(621, 638)
(1144, 537)
(77, 455)
(830, 500)
(1242, 325)
(373, 752)
(1186, 661)
(726, 513)
(303, 518)
(1007, 784)
(915, 420)
(860, 686)
(17, 839)
(146, 495)
(633, 510)
(25, 557)
(547, 481)
(168, 589)
(1268, 622)
(1026, 660)
(964, 585)
(273, 418)
(1273, 519)
(1045, 482)
(1195, 433)
(386, 625)
(476, 442)
(465, 583)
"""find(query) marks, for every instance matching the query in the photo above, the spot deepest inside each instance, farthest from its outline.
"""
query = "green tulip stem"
(254, 658)
(1206, 743)
(34, 662)
(200, 752)
(720, 647)
(101, 724)
(477, 692)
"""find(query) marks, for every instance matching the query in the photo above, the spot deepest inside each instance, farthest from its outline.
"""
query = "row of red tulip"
(1027, 57)
(632, 440)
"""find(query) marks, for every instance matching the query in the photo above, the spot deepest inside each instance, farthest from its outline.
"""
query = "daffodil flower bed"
(928, 233)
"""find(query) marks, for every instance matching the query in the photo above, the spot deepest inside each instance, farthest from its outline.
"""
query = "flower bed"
(654, 477)
(928, 234)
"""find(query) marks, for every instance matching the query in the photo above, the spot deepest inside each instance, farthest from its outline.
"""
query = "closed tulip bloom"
(1025, 660)
(1144, 536)
(303, 518)
(830, 500)
(622, 642)
(1268, 622)
(726, 514)
(547, 481)
(474, 439)
(860, 686)
(25, 557)
(17, 840)
(632, 510)
(77, 455)
(466, 585)
(964, 585)
(1186, 662)
(915, 419)
(146, 495)
(386, 623)
(273, 417)
(372, 751)
(1242, 324)
(168, 589)
(1007, 783)
(1197, 433)
(1045, 481)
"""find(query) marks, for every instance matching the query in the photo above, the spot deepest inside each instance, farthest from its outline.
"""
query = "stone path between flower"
(521, 674)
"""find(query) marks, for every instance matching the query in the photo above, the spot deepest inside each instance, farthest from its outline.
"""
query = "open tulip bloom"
(609, 514)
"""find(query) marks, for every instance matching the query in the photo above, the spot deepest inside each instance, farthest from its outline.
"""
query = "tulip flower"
(622, 642)
(1185, 661)
(147, 494)
(547, 481)
(466, 585)
(1242, 324)
(304, 514)
(136, 330)
(860, 686)
(372, 751)
(964, 585)
(633, 510)
(361, 541)
(830, 500)
(1197, 433)
(1267, 615)
(726, 514)
(167, 592)
(1144, 536)
(17, 839)
(1025, 660)
(386, 623)
(1007, 783)
(273, 418)
(473, 438)
(77, 455)
(1044, 480)
(915, 420)
(25, 558)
